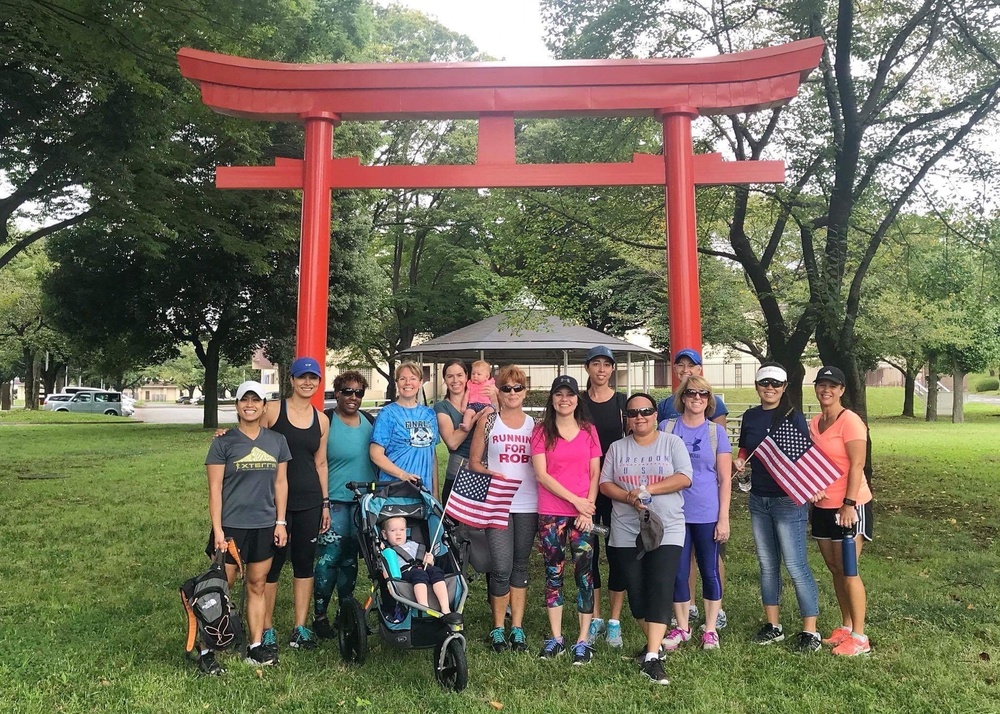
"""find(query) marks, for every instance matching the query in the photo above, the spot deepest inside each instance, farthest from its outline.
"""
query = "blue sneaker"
(596, 630)
(615, 634)
(302, 638)
(552, 648)
(270, 640)
(582, 653)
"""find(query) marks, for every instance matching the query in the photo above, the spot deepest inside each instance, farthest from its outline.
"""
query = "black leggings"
(649, 581)
(603, 517)
(510, 551)
(303, 529)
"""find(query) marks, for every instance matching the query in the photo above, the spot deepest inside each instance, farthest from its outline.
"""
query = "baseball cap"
(830, 374)
(600, 351)
(564, 380)
(305, 365)
(771, 372)
(692, 355)
(251, 386)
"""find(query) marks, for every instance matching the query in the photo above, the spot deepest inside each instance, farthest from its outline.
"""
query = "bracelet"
(281, 523)
(326, 503)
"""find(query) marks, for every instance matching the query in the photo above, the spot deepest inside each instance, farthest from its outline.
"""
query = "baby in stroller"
(417, 566)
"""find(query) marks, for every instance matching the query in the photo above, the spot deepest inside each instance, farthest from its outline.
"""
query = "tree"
(899, 92)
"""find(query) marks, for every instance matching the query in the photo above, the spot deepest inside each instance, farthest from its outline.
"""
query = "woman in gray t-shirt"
(657, 463)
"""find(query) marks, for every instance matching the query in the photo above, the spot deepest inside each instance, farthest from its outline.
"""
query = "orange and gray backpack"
(214, 620)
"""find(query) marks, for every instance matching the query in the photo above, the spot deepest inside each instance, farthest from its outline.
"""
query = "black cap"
(564, 380)
(830, 374)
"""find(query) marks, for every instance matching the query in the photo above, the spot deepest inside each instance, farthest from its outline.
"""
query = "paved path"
(987, 398)
(154, 413)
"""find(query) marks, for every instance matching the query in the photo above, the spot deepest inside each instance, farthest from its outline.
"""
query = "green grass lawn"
(101, 524)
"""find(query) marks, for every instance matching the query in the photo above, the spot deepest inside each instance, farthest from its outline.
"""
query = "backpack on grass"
(214, 620)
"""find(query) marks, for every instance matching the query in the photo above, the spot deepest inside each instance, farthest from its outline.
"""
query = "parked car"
(52, 399)
(183, 399)
(329, 400)
(91, 402)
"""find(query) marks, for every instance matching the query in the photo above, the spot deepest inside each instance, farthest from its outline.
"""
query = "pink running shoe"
(676, 637)
(710, 640)
(853, 646)
(837, 636)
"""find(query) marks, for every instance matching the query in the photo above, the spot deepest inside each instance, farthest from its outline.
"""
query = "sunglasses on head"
(642, 411)
(352, 392)
(770, 383)
(508, 388)
(703, 393)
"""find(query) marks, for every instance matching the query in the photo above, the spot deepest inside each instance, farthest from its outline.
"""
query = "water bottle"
(645, 497)
(849, 552)
(599, 530)
(743, 479)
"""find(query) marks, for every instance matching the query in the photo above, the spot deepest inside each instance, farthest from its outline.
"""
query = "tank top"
(304, 491)
(509, 452)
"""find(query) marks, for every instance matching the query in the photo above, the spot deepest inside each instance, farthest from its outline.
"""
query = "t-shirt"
(625, 465)
(568, 462)
(408, 435)
(477, 391)
(701, 501)
(448, 409)
(832, 442)
(665, 410)
(248, 479)
(509, 452)
(347, 456)
(753, 430)
(607, 418)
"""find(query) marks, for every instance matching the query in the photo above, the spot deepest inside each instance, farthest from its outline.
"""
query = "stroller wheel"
(451, 669)
(352, 635)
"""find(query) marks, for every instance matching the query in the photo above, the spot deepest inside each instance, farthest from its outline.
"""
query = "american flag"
(479, 500)
(797, 464)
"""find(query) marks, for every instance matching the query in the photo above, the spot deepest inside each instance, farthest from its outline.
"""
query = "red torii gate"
(672, 90)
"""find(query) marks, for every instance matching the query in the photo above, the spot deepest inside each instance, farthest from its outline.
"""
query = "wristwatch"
(850, 502)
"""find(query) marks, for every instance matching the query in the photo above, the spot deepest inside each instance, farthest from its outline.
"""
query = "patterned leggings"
(336, 558)
(556, 534)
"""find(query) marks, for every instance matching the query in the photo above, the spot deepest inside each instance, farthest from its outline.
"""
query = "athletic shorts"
(824, 525)
(254, 544)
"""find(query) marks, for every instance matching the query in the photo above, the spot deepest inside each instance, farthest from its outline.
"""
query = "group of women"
(660, 489)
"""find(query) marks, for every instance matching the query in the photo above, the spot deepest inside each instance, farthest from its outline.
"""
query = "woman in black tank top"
(306, 429)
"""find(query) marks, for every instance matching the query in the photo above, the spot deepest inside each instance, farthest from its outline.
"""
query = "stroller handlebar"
(359, 488)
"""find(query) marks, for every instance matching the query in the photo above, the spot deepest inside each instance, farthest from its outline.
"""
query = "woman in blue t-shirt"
(779, 525)
(406, 433)
(706, 507)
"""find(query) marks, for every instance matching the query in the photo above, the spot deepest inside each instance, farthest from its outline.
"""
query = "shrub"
(988, 384)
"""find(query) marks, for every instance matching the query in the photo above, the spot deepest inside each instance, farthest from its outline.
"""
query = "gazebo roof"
(525, 338)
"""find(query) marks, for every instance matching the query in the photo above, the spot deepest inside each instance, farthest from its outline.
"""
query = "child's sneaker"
(596, 630)
(261, 656)
(653, 669)
(498, 642)
(768, 634)
(837, 636)
(615, 634)
(208, 665)
(676, 637)
(302, 638)
(518, 642)
(710, 640)
(853, 646)
(583, 652)
(552, 648)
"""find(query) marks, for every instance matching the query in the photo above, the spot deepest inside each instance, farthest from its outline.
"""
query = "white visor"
(771, 373)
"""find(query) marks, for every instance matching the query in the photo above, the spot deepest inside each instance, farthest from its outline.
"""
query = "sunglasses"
(351, 392)
(703, 393)
(508, 388)
(642, 411)
(770, 383)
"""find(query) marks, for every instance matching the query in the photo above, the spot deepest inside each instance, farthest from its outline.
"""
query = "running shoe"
(837, 636)
(208, 665)
(518, 642)
(615, 634)
(710, 640)
(676, 637)
(853, 646)
(583, 652)
(653, 669)
(805, 643)
(261, 656)
(552, 648)
(497, 641)
(324, 629)
(302, 638)
(596, 629)
(768, 634)
(721, 620)
(270, 640)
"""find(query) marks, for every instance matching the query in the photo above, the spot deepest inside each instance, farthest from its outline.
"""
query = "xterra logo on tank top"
(421, 434)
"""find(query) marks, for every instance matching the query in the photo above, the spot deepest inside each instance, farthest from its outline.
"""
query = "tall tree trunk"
(932, 392)
(210, 391)
(958, 394)
(5, 396)
(30, 378)
(390, 390)
(909, 387)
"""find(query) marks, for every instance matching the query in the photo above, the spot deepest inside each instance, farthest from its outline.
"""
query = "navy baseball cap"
(305, 365)
(600, 351)
(692, 355)
(830, 374)
(564, 380)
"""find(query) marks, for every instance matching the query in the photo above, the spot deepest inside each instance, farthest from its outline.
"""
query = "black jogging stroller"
(391, 606)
